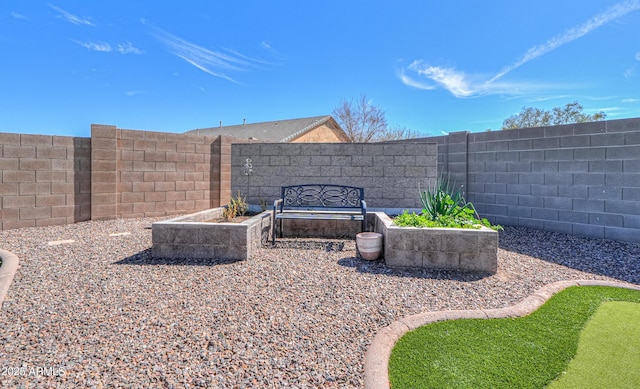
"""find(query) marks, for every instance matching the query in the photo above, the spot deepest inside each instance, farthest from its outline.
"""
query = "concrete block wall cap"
(7, 271)
(376, 361)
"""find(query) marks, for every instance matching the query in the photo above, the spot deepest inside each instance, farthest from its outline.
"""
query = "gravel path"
(100, 312)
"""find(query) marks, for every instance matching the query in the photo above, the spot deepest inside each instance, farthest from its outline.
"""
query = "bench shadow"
(308, 244)
(615, 259)
(144, 258)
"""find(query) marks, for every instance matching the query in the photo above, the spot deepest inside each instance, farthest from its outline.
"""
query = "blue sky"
(434, 67)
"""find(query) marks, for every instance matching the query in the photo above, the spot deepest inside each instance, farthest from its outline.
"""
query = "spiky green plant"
(443, 198)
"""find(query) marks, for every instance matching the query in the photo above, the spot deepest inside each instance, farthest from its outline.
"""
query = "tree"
(365, 122)
(535, 117)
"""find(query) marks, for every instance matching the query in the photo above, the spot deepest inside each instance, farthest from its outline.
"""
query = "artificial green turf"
(608, 351)
(526, 352)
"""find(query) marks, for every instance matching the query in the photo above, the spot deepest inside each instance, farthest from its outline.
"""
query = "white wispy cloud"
(629, 101)
(637, 57)
(125, 48)
(102, 47)
(461, 84)
(18, 16)
(128, 48)
(71, 18)
(216, 63)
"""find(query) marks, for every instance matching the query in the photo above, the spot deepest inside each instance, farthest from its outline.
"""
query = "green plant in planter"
(444, 206)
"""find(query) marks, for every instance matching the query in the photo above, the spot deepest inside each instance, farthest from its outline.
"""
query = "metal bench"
(319, 202)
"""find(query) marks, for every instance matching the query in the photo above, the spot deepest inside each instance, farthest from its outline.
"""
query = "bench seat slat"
(319, 216)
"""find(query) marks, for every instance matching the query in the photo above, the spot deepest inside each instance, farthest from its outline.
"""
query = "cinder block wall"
(45, 180)
(146, 173)
(390, 173)
(581, 179)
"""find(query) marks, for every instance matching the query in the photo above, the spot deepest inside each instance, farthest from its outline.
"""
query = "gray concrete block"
(573, 217)
(507, 178)
(590, 128)
(575, 141)
(632, 221)
(589, 154)
(622, 207)
(531, 155)
(440, 260)
(545, 143)
(544, 166)
(573, 191)
(588, 230)
(531, 223)
(631, 166)
(622, 234)
(626, 180)
(557, 226)
(561, 203)
(632, 138)
(559, 155)
(498, 167)
(402, 258)
(605, 193)
(491, 187)
(494, 210)
(519, 189)
(558, 131)
(507, 199)
(519, 167)
(531, 178)
(531, 201)
(519, 212)
(507, 156)
(500, 145)
(573, 166)
(608, 139)
(622, 152)
(551, 178)
(606, 219)
(606, 166)
(582, 205)
(631, 194)
(544, 190)
(589, 179)
(520, 144)
(544, 213)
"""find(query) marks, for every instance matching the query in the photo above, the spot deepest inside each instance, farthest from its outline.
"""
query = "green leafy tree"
(366, 122)
(535, 117)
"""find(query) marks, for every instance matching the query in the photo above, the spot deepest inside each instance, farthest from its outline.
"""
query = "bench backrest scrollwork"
(322, 196)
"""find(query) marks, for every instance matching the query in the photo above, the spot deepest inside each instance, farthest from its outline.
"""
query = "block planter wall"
(191, 236)
(438, 248)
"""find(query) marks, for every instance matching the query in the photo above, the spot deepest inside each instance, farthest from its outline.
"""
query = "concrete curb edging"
(7, 271)
(376, 360)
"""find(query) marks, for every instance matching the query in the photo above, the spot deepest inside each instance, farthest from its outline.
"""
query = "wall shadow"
(144, 258)
(610, 258)
(81, 179)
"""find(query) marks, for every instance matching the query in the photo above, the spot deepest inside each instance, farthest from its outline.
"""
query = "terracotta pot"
(369, 245)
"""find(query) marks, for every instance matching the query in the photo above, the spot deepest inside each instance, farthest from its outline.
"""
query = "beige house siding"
(321, 134)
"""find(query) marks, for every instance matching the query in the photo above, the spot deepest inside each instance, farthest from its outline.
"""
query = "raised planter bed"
(194, 236)
(437, 248)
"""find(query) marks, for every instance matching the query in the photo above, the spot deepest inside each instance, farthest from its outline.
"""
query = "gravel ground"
(100, 312)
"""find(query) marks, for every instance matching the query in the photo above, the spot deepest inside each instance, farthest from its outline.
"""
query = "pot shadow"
(604, 257)
(144, 258)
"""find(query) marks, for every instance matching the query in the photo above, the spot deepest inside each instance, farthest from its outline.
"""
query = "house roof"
(275, 131)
